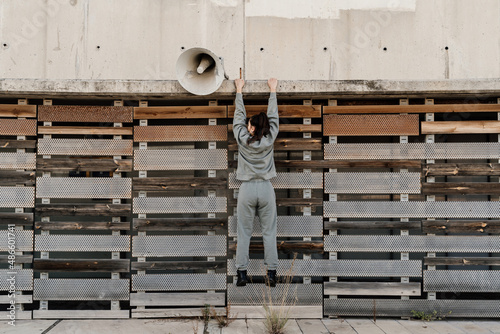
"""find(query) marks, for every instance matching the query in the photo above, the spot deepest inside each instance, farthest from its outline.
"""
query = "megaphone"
(199, 71)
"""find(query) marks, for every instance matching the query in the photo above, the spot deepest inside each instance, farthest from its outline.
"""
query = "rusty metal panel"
(371, 125)
(18, 127)
(85, 114)
(180, 133)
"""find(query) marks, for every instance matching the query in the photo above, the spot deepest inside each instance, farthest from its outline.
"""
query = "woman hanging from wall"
(255, 139)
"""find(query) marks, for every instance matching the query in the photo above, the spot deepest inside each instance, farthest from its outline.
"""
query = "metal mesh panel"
(180, 133)
(17, 160)
(84, 146)
(462, 280)
(77, 187)
(412, 151)
(349, 268)
(109, 114)
(81, 289)
(23, 240)
(371, 125)
(197, 159)
(287, 226)
(179, 204)
(18, 127)
(175, 282)
(17, 197)
(282, 294)
(372, 183)
(287, 181)
(384, 209)
(401, 307)
(82, 243)
(411, 243)
(179, 245)
(23, 279)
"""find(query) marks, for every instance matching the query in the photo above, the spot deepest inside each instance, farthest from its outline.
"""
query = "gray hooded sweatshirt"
(255, 161)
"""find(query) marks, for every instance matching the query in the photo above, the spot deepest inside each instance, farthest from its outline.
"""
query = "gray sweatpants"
(256, 197)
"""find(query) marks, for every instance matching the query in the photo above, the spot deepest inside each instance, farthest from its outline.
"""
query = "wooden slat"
(461, 226)
(8, 178)
(82, 164)
(453, 169)
(178, 183)
(369, 225)
(179, 224)
(290, 246)
(388, 109)
(180, 112)
(288, 202)
(57, 225)
(461, 188)
(462, 261)
(285, 111)
(178, 265)
(84, 130)
(461, 127)
(15, 110)
(86, 265)
(112, 210)
(287, 144)
(293, 127)
(370, 125)
(19, 258)
(20, 299)
(7, 143)
(68, 113)
(342, 164)
(372, 288)
(16, 218)
(185, 312)
(178, 299)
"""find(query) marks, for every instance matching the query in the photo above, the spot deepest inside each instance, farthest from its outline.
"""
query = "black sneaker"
(242, 278)
(271, 278)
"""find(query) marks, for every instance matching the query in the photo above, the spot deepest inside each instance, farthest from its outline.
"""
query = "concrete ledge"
(162, 89)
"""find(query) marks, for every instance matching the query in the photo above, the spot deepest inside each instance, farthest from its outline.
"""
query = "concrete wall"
(289, 39)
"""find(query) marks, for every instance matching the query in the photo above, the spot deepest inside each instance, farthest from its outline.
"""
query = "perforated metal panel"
(401, 307)
(411, 243)
(384, 209)
(412, 151)
(179, 204)
(282, 294)
(371, 125)
(18, 127)
(348, 268)
(287, 181)
(197, 159)
(17, 197)
(21, 280)
(77, 187)
(180, 133)
(372, 183)
(179, 245)
(109, 114)
(84, 146)
(176, 282)
(287, 226)
(17, 161)
(462, 280)
(23, 240)
(82, 243)
(81, 289)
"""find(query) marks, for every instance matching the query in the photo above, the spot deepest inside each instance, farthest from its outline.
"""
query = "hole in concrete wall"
(325, 48)
(182, 48)
(385, 49)
(5, 45)
(446, 48)
(261, 49)
(98, 47)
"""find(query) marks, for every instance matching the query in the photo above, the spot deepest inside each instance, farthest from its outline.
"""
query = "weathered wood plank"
(288, 202)
(7, 143)
(461, 188)
(16, 218)
(179, 224)
(369, 225)
(290, 246)
(178, 183)
(20, 299)
(8, 178)
(16, 110)
(82, 164)
(372, 288)
(452, 169)
(58, 225)
(293, 127)
(173, 313)
(342, 164)
(180, 112)
(112, 210)
(457, 127)
(84, 130)
(461, 226)
(462, 261)
(287, 144)
(285, 111)
(178, 299)
(179, 265)
(86, 265)
(389, 109)
(19, 259)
